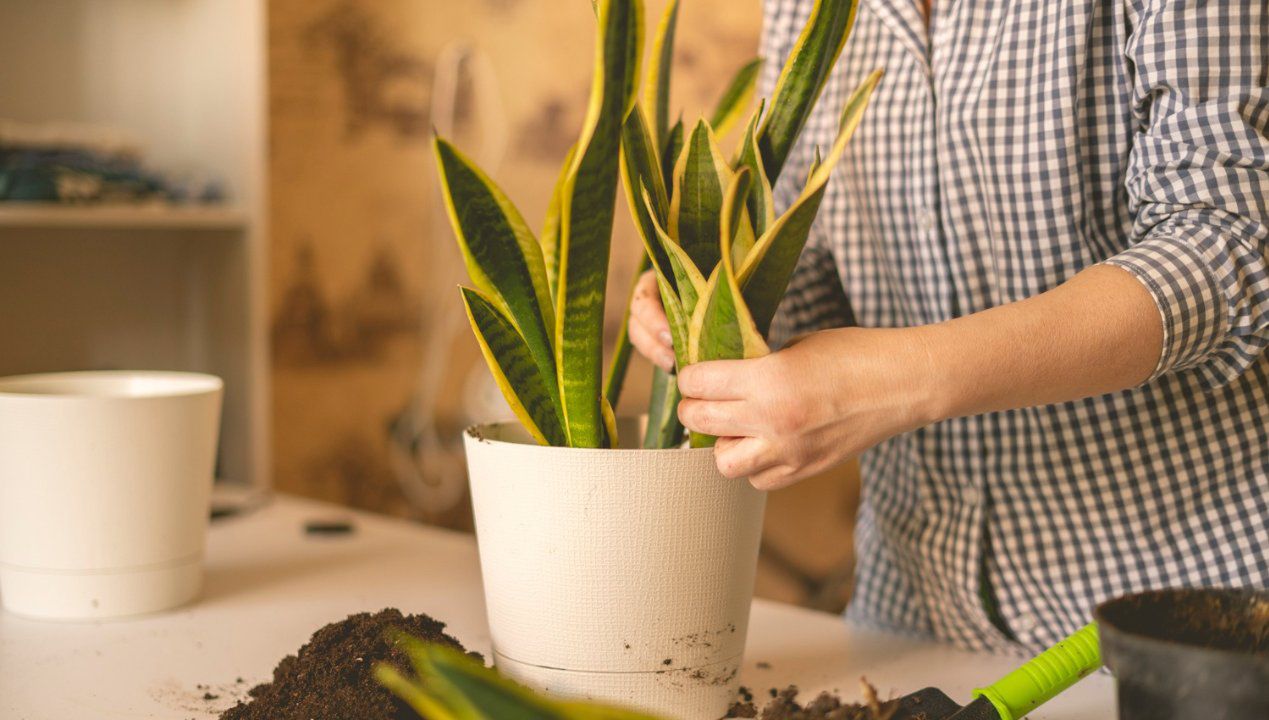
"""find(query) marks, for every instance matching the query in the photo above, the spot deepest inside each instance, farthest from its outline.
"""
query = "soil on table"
(332, 676)
(826, 706)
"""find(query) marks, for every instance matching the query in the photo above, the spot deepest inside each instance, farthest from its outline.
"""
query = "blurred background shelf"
(149, 285)
(122, 216)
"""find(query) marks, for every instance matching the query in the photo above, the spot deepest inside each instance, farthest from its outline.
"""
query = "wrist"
(935, 398)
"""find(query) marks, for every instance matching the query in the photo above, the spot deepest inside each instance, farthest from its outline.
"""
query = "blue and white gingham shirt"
(1024, 141)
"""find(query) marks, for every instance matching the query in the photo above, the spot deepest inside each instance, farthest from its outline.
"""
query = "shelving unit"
(149, 286)
(122, 217)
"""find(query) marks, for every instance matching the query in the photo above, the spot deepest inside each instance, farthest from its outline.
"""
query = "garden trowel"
(1018, 693)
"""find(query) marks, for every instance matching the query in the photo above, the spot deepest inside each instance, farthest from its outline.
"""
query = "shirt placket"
(950, 202)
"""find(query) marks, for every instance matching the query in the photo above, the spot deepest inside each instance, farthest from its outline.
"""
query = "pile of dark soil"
(332, 677)
(784, 706)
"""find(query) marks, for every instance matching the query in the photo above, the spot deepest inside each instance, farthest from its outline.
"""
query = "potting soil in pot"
(332, 676)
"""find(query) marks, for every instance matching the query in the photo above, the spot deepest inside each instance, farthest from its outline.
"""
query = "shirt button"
(1024, 623)
(926, 219)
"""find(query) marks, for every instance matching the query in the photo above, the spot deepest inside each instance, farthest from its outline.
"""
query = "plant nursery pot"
(623, 576)
(1187, 654)
(105, 480)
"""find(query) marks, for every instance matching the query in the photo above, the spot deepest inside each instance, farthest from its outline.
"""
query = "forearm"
(1097, 333)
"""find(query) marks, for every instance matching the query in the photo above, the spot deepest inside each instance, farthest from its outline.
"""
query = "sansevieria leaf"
(687, 280)
(640, 172)
(525, 387)
(671, 148)
(475, 691)
(656, 90)
(551, 227)
(503, 258)
(587, 214)
(664, 429)
(761, 202)
(802, 79)
(699, 181)
(721, 327)
(453, 686)
(765, 274)
(731, 106)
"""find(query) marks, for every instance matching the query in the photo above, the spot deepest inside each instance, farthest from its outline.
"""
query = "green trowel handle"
(1048, 674)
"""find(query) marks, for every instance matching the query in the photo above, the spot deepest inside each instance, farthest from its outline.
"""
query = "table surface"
(269, 586)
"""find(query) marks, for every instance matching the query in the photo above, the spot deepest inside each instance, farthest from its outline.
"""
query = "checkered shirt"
(1014, 145)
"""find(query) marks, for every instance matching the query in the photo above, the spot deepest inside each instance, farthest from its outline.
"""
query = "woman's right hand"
(649, 330)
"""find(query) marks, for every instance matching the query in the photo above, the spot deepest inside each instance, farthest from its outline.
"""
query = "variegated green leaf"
(670, 151)
(611, 438)
(678, 319)
(413, 694)
(453, 686)
(699, 181)
(503, 258)
(802, 79)
(664, 429)
(765, 274)
(731, 106)
(656, 91)
(722, 328)
(462, 682)
(521, 381)
(640, 171)
(761, 202)
(587, 214)
(736, 229)
(687, 280)
(551, 227)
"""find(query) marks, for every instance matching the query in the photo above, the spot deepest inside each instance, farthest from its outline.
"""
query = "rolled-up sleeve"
(1198, 178)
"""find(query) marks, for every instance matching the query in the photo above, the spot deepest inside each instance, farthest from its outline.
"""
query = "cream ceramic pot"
(105, 482)
(620, 575)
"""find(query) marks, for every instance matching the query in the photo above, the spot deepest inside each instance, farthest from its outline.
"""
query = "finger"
(717, 379)
(774, 478)
(742, 457)
(721, 419)
(651, 348)
(646, 307)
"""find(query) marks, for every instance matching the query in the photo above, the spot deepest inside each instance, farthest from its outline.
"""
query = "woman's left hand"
(802, 410)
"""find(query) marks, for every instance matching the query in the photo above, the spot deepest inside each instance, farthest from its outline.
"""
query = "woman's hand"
(799, 411)
(649, 330)
(806, 408)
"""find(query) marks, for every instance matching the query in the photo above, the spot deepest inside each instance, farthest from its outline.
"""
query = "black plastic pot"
(1200, 654)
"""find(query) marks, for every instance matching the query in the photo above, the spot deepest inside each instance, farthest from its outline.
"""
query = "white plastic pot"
(105, 482)
(622, 575)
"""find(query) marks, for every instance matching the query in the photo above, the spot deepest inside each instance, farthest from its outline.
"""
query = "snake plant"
(721, 257)
(449, 685)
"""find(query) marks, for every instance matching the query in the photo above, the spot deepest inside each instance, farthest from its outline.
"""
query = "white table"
(269, 586)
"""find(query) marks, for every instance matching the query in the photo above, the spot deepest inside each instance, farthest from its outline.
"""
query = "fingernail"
(666, 337)
(666, 361)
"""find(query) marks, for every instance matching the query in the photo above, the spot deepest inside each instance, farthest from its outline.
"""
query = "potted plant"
(613, 571)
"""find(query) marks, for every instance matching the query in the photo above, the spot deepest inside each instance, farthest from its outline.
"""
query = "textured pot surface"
(622, 575)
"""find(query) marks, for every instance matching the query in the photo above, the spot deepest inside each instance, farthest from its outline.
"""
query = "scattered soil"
(332, 676)
(784, 706)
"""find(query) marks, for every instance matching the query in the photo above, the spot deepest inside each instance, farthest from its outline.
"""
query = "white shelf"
(121, 216)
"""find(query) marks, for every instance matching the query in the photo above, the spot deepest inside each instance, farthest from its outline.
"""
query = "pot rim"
(95, 386)
(1157, 644)
(473, 432)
